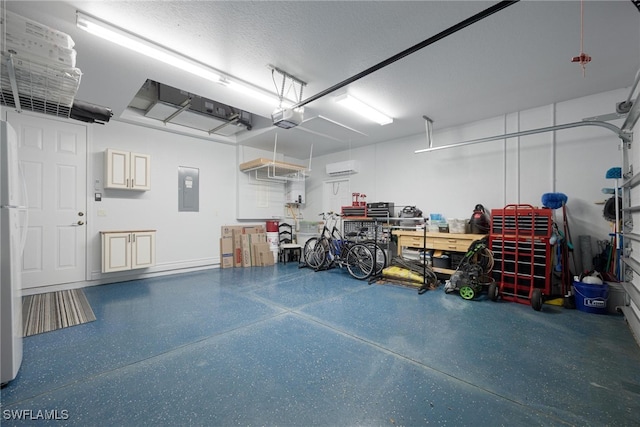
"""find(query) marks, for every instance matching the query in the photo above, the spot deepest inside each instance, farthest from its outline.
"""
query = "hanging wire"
(582, 63)
(281, 90)
(583, 59)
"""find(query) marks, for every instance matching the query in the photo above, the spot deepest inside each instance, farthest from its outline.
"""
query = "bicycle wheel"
(380, 256)
(359, 261)
(324, 252)
(312, 257)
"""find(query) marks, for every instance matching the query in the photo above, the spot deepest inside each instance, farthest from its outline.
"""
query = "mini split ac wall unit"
(342, 168)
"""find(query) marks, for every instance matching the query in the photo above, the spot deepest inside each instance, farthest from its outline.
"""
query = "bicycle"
(380, 256)
(308, 252)
(331, 248)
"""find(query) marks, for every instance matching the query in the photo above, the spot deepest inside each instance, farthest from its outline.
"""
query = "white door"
(53, 156)
(336, 194)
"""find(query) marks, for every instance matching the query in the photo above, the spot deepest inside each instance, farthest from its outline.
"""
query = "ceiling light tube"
(147, 48)
(144, 47)
(363, 109)
(257, 94)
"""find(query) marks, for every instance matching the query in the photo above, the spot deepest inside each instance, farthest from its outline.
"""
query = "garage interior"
(181, 159)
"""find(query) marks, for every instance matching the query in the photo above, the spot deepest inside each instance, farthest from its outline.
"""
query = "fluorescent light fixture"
(247, 90)
(363, 109)
(147, 48)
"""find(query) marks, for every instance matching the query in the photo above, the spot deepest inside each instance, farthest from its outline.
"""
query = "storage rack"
(374, 228)
(519, 240)
(36, 86)
(267, 169)
(377, 231)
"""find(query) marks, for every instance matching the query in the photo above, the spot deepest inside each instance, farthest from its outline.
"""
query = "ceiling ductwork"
(170, 105)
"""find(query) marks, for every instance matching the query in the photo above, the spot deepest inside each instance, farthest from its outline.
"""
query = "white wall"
(450, 182)
(515, 171)
(184, 239)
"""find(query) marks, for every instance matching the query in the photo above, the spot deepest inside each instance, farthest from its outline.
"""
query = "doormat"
(55, 310)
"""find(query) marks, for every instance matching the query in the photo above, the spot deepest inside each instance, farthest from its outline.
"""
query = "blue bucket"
(591, 298)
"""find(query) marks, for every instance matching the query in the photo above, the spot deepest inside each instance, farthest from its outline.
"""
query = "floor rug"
(55, 310)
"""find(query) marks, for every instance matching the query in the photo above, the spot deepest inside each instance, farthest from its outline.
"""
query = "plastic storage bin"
(457, 226)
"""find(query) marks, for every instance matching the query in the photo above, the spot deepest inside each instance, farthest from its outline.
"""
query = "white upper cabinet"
(126, 170)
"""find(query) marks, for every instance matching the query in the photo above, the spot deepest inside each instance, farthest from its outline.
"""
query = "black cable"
(451, 30)
(414, 266)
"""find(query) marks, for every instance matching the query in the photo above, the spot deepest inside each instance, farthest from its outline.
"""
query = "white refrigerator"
(13, 213)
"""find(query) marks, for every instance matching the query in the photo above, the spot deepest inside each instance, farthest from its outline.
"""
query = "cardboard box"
(227, 230)
(254, 229)
(262, 254)
(266, 258)
(246, 250)
(226, 252)
(253, 239)
(258, 251)
(237, 247)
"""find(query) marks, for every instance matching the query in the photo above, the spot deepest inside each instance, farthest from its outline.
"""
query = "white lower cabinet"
(128, 250)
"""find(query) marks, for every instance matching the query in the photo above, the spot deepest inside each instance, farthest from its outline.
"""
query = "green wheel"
(467, 292)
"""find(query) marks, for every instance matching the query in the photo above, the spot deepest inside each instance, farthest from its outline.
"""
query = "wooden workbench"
(451, 242)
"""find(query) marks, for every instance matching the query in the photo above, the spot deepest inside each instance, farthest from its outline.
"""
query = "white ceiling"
(516, 59)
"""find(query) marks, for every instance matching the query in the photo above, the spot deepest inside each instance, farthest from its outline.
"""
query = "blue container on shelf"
(591, 298)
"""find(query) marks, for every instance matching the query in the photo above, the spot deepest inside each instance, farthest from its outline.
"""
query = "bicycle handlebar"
(330, 214)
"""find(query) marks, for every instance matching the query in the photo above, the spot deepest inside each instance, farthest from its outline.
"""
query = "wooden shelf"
(275, 169)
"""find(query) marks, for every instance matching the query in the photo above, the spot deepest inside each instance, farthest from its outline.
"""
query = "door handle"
(78, 223)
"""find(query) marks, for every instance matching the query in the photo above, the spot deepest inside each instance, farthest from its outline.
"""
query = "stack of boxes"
(245, 246)
(44, 61)
(34, 41)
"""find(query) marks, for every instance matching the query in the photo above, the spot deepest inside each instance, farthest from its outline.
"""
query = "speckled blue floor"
(289, 347)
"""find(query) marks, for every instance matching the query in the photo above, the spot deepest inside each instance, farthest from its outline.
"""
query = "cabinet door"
(140, 171)
(117, 169)
(143, 249)
(116, 252)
